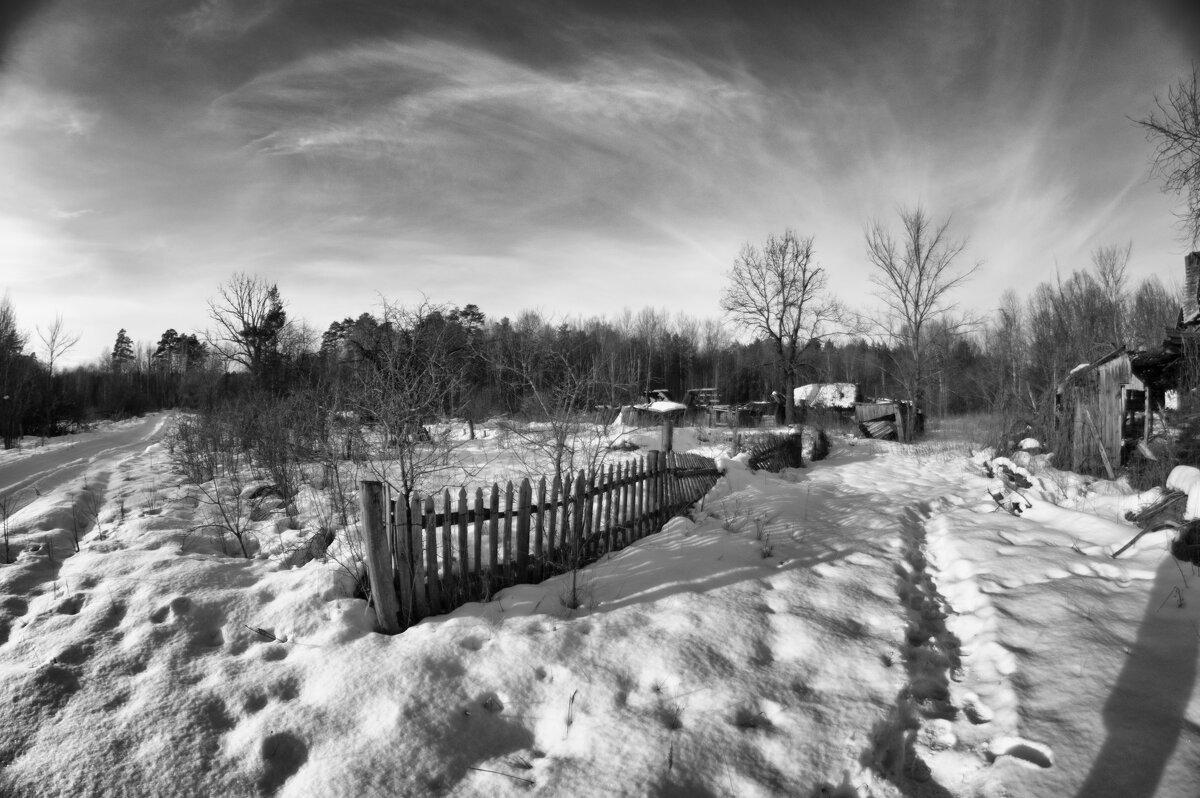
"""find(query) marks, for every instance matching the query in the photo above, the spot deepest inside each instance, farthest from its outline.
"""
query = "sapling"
(10, 503)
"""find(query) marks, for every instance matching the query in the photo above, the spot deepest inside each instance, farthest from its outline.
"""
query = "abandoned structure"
(1108, 405)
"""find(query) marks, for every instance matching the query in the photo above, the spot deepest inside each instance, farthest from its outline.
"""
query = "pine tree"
(122, 354)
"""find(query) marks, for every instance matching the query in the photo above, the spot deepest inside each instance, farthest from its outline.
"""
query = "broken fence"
(422, 562)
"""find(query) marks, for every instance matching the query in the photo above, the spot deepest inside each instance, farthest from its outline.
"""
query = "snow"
(828, 394)
(1186, 479)
(663, 406)
(870, 625)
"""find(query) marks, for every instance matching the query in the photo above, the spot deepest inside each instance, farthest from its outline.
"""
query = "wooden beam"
(1087, 417)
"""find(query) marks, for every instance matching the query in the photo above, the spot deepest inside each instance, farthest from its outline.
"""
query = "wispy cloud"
(560, 154)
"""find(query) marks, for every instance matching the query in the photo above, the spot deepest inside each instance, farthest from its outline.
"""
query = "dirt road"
(45, 471)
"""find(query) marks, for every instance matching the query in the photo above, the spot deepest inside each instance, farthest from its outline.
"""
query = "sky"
(572, 158)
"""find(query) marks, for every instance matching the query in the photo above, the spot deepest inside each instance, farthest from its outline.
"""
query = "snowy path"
(868, 626)
(45, 470)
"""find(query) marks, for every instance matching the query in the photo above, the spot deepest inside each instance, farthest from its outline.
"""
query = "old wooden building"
(1109, 405)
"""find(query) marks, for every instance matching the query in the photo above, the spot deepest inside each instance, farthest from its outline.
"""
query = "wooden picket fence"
(422, 561)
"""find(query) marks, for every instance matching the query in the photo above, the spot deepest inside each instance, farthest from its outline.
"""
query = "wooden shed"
(1099, 401)
(1108, 405)
(882, 420)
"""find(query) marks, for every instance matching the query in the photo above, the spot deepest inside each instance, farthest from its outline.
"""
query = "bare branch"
(56, 341)
(1174, 128)
(914, 276)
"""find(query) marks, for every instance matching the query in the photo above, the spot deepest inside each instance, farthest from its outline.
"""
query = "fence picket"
(431, 564)
(588, 514)
(609, 492)
(576, 544)
(589, 509)
(464, 548)
(639, 499)
(555, 496)
(477, 566)
(524, 501)
(539, 550)
(507, 566)
(402, 557)
(448, 581)
(494, 541)
(415, 533)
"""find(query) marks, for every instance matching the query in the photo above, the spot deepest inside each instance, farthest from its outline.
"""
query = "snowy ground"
(867, 626)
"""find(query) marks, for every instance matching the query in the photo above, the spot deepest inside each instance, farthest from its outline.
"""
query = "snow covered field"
(867, 626)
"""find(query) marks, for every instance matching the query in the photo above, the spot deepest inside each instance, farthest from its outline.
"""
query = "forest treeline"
(450, 360)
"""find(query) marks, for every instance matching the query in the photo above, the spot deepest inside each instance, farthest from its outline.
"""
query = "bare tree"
(914, 274)
(250, 320)
(1152, 309)
(560, 381)
(779, 293)
(1111, 263)
(1174, 128)
(56, 342)
(405, 386)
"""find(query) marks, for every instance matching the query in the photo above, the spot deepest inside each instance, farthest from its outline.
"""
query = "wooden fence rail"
(434, 560)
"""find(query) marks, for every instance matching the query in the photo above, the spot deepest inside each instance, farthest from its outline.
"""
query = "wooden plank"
(464, 548)
(588, 509)
(524, 501)
(643, 492)
(379, 557)
(576, 544)
(609, 495)
(507, 566)
(432, 585)
(1148, 414)
(448, 580)
(621, 497)
(494, 540)
(1087, 417)
(416, 533)
(402, 556)
(555, 496)
(477, 566)
(539, 535)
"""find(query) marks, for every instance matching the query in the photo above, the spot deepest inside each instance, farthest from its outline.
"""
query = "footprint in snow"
(1018, 748)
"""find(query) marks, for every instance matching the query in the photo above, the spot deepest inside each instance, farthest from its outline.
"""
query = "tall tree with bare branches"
(249, 320)
(56, 342)
(914, 273)
(779, 294)
(1174, 128)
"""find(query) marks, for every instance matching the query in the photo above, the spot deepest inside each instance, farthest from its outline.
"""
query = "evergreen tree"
(122, 353)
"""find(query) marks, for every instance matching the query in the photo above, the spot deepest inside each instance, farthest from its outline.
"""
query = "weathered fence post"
(379, 559)
(652, 496)
(449, 584)
(477, 566)
(524, 501)
(402, 558)
(416, 528)
(494, 538)
(464, 547)
(576, 551)
(508, 533)
(668, 435)
(556, 496)
(539, 537)
(431, 564)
